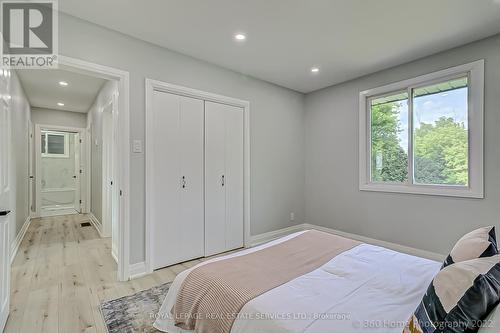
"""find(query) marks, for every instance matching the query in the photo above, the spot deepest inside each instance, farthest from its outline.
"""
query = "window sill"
(434, 190)
(55, 156)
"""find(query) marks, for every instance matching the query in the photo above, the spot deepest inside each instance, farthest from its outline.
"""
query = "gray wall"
(94, 120)
(425, 222)
(58, 118)
(20, 113)
(280, 141)
(277, 128)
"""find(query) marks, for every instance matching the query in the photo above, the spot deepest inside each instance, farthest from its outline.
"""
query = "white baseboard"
(140, 269)
(137, 270)
(269, 236)
(14, 246)
(272, 235)
(115, 257)
(58, 212)
(95, 222)
(393, 246)
(3, 319)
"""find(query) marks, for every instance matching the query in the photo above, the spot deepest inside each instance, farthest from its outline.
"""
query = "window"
(389, 138)
(425, 135)
(55, 144)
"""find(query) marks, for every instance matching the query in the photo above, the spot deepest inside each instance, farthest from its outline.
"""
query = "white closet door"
(176, 205)
(223, 178)
(192, 201)
(234, 178)
(215, 206)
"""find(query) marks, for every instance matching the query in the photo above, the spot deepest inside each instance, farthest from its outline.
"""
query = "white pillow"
(493, 321)
(478, 243)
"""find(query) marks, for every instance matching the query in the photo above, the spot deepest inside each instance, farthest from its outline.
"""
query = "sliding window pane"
(55, 144)
(441, 133)
(389, 138)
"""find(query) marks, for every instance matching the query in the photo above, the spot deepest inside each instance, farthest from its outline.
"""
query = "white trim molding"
(373, 241)
(14, 246)
(113, 254)
(272, 235)
(153, 85)
(475, 189)
(275, 234)
(138, 270)
(122, 179)
(96, 224)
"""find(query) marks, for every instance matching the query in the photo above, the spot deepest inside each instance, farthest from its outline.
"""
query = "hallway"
(61, 274)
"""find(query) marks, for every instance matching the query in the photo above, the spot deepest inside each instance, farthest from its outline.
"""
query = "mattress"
(364, 289)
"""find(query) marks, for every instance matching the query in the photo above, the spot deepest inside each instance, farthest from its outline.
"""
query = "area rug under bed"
(134, 313)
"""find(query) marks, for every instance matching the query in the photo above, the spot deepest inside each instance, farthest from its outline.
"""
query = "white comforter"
(365, 289)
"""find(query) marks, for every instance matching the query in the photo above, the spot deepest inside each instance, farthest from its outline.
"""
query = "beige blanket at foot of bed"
(212, 295)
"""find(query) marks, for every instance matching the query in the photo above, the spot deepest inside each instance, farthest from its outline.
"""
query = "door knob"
(223, 180)
(183, 182)
(4, 212)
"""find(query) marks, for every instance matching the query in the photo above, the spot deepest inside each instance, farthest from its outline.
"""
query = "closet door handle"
(183, 181)
(223, 180)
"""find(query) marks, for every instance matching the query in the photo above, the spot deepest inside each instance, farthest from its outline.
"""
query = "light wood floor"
(61, 274)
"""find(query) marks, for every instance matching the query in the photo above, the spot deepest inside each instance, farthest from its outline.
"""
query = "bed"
(364, 288)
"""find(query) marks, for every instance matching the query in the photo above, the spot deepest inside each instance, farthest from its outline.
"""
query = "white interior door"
(175, 194)
(107, 169)
(115, 193)
(223, 178)
(31, 182)
(5, 203)
(77, 176)
(87, 167)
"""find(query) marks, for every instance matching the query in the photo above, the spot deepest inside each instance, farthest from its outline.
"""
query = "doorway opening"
(75, 152)
(78, 152)
(59, 170)
(57, 139)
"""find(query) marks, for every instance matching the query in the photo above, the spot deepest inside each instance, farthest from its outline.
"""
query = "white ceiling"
(43, 90)
(285, 38)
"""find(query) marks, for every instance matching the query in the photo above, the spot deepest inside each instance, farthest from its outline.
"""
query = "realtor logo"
(29, 31)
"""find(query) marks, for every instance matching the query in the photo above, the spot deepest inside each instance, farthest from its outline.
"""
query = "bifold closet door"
(223, 178)
(177, 215)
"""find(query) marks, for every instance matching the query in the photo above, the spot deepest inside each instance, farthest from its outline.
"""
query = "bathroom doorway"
(59, 170)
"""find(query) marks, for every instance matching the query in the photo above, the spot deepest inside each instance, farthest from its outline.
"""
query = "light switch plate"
(137, 146)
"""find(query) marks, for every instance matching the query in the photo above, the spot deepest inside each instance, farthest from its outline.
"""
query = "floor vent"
(85, 224)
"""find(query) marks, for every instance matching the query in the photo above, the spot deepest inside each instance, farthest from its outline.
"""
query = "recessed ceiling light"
(240, 37)
(60, 104)
(63, 83)
(314, 70)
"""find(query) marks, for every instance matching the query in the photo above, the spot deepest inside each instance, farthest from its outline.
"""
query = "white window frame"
(475, 188)
(66, 144)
